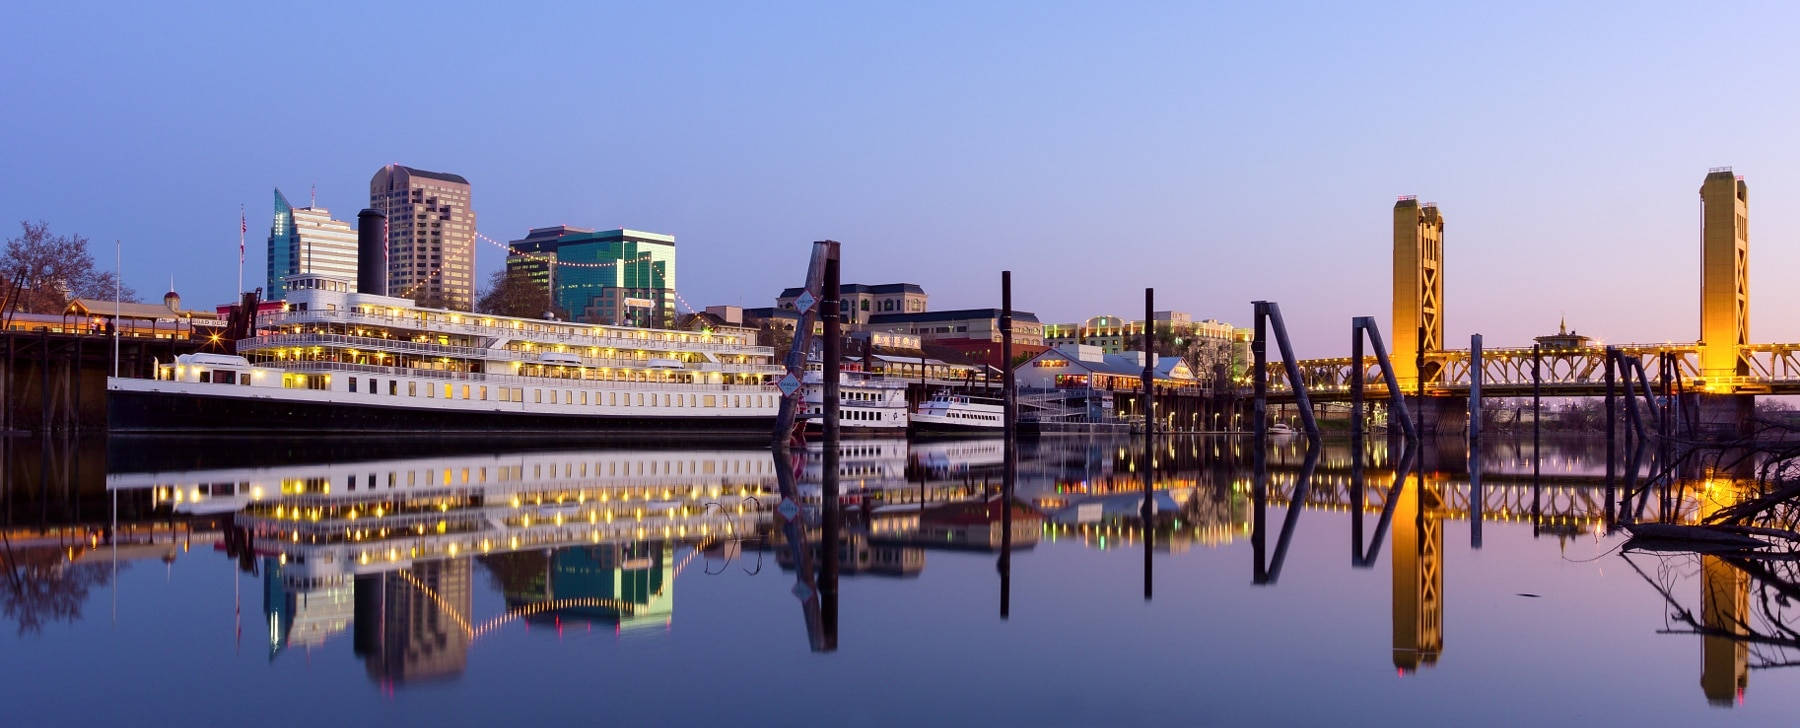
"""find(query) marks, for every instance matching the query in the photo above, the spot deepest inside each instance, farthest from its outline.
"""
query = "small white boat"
(948, 413)
(1282, 429)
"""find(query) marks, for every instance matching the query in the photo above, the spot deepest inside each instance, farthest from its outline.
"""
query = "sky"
(1220, 153)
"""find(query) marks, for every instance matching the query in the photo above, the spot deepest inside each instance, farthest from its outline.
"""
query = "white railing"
(610, 338)
(372, 343)
(328, 366)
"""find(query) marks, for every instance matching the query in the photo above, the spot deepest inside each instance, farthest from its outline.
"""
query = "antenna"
(315, 196)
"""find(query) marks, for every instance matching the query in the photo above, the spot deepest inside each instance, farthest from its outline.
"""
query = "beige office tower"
(1724, 275)
(431, 235)
(1418, 287)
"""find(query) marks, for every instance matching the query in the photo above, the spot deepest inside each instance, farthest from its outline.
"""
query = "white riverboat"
(958, 414)
(867, 404)
(335, 361)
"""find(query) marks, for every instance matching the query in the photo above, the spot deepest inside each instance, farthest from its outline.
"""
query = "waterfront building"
(861, 302)
(616, 277)
(975, 332)
(1078, 381)
(307, 240)
(431, 235)
(1204, 344)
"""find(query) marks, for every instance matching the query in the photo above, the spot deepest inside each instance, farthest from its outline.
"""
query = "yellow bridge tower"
(1418, 287)
(1724, 275)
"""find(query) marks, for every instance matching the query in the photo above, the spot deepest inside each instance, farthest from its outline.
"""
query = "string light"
(511, 251)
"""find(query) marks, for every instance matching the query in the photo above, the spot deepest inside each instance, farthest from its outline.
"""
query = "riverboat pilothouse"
(337, 361)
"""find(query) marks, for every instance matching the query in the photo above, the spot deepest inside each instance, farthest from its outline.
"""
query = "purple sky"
(1219, 154)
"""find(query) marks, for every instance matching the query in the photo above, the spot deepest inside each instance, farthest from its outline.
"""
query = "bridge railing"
(1557, 368)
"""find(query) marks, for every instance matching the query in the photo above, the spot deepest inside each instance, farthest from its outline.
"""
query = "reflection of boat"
(338, 361)
(959, 414)
(957, 455)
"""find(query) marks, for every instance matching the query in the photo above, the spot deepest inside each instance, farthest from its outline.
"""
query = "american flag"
(243, 229)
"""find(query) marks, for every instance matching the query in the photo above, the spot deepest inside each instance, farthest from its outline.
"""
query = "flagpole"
(118, 293)
(243, 227)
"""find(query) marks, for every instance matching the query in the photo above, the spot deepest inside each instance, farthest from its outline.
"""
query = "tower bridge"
(1723, 369)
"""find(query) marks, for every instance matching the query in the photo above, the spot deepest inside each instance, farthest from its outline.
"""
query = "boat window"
(484, 392)
(412, 389)
(449, 391)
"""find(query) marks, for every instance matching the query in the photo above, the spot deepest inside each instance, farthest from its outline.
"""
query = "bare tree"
(512, 292)
(54, 269)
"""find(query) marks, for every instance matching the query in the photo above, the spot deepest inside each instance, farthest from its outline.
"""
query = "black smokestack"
(371, 252)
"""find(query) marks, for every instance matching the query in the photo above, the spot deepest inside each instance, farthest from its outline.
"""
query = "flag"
(243, 229)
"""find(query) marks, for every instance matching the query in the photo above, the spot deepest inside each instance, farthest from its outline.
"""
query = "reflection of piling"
(1010, 447)
(1537, 416)
(1149, 469)
(1612, 430)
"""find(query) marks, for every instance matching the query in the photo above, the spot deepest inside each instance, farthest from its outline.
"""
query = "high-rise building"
(619, 277)
(431, 235)
(308, 240)
(538, 248)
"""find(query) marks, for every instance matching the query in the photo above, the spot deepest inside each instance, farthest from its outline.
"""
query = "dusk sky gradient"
(1219, 153)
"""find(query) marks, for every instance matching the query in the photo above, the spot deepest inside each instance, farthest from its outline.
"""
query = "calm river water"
(331, 584)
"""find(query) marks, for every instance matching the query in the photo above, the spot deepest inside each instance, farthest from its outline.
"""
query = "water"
(194, 617)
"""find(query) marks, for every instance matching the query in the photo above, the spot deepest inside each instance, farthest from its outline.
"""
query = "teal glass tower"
(618, 277)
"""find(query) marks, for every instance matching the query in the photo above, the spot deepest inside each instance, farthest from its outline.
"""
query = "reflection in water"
(389, 559)
(388, 548)
(1418, 575)
(412, 624)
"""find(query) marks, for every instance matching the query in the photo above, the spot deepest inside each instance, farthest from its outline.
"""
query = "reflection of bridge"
(1723, 362)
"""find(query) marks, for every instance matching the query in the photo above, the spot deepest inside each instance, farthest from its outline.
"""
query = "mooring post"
(1474, 392)
(1356, 440)
(1149, 384)
(1356, 393)
(1419, 367)
(1259, 486)
(1009, 432)
(44, 372)
(1537, 419)
(1612, 445)
(1476, 502)
(830, 312)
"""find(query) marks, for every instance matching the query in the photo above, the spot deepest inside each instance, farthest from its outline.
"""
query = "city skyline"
(1218, 155)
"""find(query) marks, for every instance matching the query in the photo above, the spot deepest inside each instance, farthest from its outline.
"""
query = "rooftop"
(444, 176)
(878, 289)
(953, 315)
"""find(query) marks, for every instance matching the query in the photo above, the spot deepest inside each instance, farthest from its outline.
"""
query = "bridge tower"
(1418, 287)
(1418, 575)
(1724, 274)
